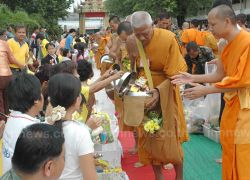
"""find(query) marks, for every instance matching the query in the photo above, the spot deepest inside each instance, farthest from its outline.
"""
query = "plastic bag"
(202, 110)
(195, 113)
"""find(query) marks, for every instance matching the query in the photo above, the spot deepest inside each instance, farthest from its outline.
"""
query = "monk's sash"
(244, 97)
(145, 63)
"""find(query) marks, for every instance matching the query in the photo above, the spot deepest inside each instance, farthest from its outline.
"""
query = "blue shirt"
(69, 41)
(10, 35)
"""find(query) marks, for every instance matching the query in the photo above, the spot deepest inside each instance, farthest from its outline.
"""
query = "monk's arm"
(108, 46)
(114, 50)
(217, 76)
(132, 52)
(213, 89)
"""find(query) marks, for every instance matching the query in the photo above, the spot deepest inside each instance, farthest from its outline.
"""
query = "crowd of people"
(47, 95)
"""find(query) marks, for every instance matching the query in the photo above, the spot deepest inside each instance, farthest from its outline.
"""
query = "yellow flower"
(146, 128)
(151, 123)
(152, 131)
(157, 127)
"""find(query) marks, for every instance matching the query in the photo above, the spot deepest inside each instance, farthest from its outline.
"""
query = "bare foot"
(138, 165)
(219, 161)
(168, 166)
(133, 151)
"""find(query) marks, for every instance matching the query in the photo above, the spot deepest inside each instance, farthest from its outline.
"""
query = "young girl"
(65, 99)
(85, 71)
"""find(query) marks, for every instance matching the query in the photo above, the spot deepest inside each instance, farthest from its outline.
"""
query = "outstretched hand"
(182, 78)
(195, 92)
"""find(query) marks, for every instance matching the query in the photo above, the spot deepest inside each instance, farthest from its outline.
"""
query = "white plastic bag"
(194, 114)
(212, 101)
(202, 110)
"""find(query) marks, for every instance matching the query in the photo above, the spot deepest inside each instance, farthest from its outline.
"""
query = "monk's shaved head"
(140, 19)
(129, 18)
(223, 12)
(126, 27)
(185, 25)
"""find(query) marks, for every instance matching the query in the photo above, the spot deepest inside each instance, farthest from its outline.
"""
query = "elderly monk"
(165, 60)
(233, 78)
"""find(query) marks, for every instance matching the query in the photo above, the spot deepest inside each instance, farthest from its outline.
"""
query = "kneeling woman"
(65, 99)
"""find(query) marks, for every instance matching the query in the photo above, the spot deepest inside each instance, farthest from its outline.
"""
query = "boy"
(25, 101)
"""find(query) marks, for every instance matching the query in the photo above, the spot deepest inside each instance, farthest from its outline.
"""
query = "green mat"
(199, 159)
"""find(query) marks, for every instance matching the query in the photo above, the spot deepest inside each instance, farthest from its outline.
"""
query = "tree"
(181, 11)
(154, 7)
(126, 7)
(119, 8)
(8, 17)
(50, 11)
(195, 7)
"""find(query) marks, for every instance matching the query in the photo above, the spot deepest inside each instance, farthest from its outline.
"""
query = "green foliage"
(154, 7)
(8, 17)
(194, 7)
(126, 7)
(183, 8)
(119, 8)
(41, 12)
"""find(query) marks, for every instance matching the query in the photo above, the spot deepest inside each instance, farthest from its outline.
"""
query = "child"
(25, 101)
(51, 57)
(33, 63)
(66, 55)
(79, 148)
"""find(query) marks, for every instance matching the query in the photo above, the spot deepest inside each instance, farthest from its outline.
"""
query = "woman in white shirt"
(64, 92)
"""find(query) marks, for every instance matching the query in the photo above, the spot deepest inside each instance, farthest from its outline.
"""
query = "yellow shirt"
(43, 44)
(60, 58)
(20, 51)
(82, 116)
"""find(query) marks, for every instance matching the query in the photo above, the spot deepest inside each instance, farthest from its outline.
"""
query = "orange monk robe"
(194, 35)
(211, 42)
(235, 123)
(165, 61)
(183, 48)
(101, 50)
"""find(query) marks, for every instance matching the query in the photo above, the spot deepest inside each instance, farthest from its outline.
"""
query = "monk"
(193, 34)
(185, 26)
(114, 22)
(121, 57)
(119, 48)
(165, 60)
(232, 77)
(102, 42)
(241, 21)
